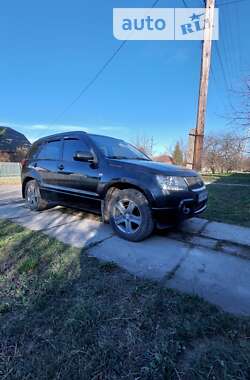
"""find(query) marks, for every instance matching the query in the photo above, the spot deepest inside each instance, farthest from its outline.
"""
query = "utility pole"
(202, 103)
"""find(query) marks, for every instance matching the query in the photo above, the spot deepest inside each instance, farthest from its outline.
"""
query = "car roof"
(61, 135)
(70, 134)
(105, 136)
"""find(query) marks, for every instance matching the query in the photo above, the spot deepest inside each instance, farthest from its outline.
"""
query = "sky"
(51, 49)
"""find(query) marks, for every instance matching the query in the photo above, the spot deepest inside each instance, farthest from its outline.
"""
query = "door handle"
(60, 167)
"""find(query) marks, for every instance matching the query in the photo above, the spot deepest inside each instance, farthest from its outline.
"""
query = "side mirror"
(83, 156)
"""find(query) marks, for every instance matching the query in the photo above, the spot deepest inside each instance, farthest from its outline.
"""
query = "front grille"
(194, 182)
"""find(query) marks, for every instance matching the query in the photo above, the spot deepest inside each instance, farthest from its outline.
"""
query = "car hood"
(155, 167)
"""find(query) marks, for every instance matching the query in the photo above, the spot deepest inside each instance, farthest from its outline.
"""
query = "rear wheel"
(130, 215)
(33, 197)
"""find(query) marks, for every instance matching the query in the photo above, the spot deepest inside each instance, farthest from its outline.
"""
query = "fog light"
(186, 210)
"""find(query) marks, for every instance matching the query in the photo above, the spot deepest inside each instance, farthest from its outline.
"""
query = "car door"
(78, 177)
(47, 161)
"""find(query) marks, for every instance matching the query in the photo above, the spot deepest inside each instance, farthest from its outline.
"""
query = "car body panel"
(85, 184)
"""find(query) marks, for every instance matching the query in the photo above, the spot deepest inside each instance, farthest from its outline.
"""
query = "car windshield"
(118, 149)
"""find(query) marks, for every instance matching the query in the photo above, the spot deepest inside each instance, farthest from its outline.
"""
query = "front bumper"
(186, 207)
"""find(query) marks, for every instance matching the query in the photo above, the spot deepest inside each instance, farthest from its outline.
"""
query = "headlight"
(170, 183)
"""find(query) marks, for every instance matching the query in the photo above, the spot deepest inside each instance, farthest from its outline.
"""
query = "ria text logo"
(165, 23)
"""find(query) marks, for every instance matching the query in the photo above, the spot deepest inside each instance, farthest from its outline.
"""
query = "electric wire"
(96, 76)
(231, 2)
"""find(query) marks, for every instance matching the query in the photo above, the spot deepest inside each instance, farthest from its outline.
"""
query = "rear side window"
(71, 146)
(50, 151)
(33, 151)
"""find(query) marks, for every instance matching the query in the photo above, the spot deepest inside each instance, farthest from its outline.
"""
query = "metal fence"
(10, 169)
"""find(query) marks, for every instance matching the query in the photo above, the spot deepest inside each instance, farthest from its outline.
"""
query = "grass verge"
(65, 315)
(230, 178)
(228, 204)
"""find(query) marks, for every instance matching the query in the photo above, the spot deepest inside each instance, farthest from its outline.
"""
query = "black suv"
(111, 177)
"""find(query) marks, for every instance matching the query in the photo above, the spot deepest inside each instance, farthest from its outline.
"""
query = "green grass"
(65, 315)
(230, 178)
(228, 204)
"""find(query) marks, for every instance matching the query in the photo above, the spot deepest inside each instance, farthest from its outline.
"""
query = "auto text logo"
(165, 23)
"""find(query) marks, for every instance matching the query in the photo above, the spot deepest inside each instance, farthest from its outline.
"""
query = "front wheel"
(130, 215)
(33, 197)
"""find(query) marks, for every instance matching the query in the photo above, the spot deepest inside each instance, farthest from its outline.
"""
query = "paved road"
(201, 257)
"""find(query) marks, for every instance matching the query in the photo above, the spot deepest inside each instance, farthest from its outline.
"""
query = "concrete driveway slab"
(75, 228)
(33, 220)
(14, 211)
(227, 232)
(206, 258)
(10, 193)
(154, 258)
(81, 233)
(192, 239)
(38, 221)
(219, 278)
(202, 241)
(193, 226)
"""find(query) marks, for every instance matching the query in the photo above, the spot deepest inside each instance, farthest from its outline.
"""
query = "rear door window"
(50, 151)
(71, 146)
(33, 151)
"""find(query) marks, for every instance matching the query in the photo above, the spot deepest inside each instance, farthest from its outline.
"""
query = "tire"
(113, 191)
(33, 197)
(130, 215)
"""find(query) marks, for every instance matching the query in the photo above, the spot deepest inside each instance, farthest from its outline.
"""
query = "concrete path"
(206, 258)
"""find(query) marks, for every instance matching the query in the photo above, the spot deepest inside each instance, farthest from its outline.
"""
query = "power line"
(221, 64)
(231, 65)
(239, 36)
(92, 81)
(220, 60)
(227, 69)
(231, 20)
(97, 75)
(227, 42)
(111, 58)
(231, 2)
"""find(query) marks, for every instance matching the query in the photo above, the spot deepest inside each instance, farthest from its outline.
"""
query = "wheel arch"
(128, 185)
(119, 185)
(145, 225)
(25, 181)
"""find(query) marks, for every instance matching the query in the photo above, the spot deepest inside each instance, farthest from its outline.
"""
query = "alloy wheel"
(32, 195)
(127, 216)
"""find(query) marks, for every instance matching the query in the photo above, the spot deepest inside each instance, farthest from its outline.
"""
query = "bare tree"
(224, 152)
(184, 149)
(232, 149)
(245, 165)
(145, 145)
(241, 113)
(211, 156)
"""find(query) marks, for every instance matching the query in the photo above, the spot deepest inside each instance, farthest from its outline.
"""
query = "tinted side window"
(71, 146)
(33, 151)
(50, 151)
